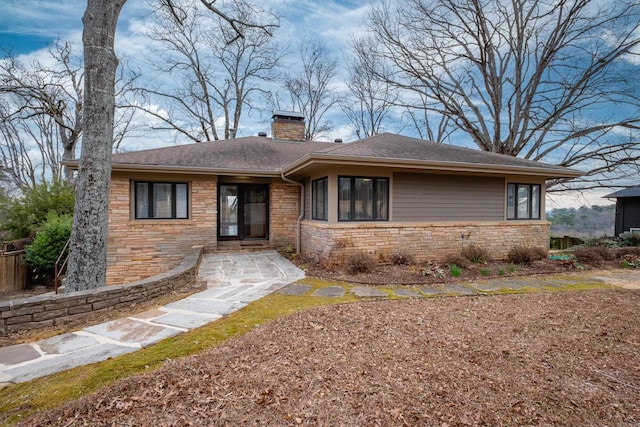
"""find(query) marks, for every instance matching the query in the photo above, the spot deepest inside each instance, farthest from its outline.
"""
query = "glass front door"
(243, 211)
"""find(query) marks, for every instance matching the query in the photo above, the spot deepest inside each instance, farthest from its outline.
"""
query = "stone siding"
(283, 214)
(424, 241)
(141, 248)
(51, 310)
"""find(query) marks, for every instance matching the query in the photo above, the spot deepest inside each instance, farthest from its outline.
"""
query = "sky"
(27, 27)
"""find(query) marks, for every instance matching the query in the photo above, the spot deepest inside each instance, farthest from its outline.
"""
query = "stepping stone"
(490, 286)
(517, 285)
(367, 292)
(185, 321)
(132, 331)
(15, 354)
(295, 289)
(331, 291)
(431, 290)
(402, 292)
(149, 314)
(203, 306)
(48, 366)
(459, 289)
(67, 343)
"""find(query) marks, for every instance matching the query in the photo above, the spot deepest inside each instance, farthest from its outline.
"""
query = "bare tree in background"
(41, 115)
(215, 74)
(88, 249)
(309, 88)
(551, 81)
(369, 101)
(41, 112)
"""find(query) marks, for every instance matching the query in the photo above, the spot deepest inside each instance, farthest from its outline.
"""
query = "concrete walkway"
(233, 280)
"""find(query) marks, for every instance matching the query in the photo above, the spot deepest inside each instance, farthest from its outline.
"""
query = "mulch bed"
(566, 358)
(437, 273)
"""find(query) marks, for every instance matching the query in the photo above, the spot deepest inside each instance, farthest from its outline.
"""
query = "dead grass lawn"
(567, 358)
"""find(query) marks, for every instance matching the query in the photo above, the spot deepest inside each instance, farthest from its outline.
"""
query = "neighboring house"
(627, 209)
(381, 194)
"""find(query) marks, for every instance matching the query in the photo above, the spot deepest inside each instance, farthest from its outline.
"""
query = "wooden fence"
(13, 273)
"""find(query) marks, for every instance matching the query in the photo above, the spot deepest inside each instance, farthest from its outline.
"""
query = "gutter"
(301, 216)
(322, 158)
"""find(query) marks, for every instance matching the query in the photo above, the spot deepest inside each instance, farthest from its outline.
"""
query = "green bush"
(22, 216)
(628, 239)
(455, 271)
(476, 254)
(360, 262)
(49, 241)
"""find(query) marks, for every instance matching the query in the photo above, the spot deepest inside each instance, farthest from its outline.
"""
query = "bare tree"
(215, 73)
(42, 111)
(370, 100)
(87, 261)
(544, 80)
(20, 140)
(309, 88)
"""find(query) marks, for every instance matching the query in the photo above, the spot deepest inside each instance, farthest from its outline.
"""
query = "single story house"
(379, 194)
(627, 209)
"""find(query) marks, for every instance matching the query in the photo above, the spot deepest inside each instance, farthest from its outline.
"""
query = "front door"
(243, 211)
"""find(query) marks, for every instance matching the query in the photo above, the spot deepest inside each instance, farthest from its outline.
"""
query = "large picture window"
(319, 199)
(161, 200)
(523, 201)
(363, 199)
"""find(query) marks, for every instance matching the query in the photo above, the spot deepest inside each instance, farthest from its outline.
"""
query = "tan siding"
(419, 197)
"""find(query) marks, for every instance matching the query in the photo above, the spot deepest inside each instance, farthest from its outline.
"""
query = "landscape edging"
(51, 309)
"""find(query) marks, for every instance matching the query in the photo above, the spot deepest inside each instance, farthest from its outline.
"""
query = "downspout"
(301, 216)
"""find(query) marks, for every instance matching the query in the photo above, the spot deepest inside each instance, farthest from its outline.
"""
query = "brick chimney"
(288, 126)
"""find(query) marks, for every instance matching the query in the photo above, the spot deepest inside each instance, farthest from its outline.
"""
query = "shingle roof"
(391, 146)
(626, 192)
(263, 155)
(256, 154)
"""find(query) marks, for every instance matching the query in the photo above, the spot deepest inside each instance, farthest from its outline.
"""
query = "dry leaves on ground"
(569, 358)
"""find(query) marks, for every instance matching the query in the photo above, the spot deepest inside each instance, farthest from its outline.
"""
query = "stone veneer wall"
(283, 214)
(424, 241)
(50, 309)
(290, 130)
(141, 248)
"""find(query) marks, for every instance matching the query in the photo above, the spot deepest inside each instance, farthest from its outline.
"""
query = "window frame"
(516, 186)
(324, 181)
(374, 198)
(150, 200)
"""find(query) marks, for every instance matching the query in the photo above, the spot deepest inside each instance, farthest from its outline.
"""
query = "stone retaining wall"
(50, 309)
(424, 241)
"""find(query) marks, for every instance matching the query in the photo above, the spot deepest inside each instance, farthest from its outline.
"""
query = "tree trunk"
(88, 260)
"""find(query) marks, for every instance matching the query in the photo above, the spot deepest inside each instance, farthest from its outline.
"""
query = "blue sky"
(29, 25)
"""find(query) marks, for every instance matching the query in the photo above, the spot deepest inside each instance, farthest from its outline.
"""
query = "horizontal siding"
(420, 197)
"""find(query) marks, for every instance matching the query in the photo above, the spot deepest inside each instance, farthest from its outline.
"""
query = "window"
(161, 200)
(319, 199)
(523, 201)
(363, 199)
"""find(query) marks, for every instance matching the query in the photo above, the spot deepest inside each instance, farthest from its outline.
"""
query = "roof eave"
(316, 158)
(122, 167)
